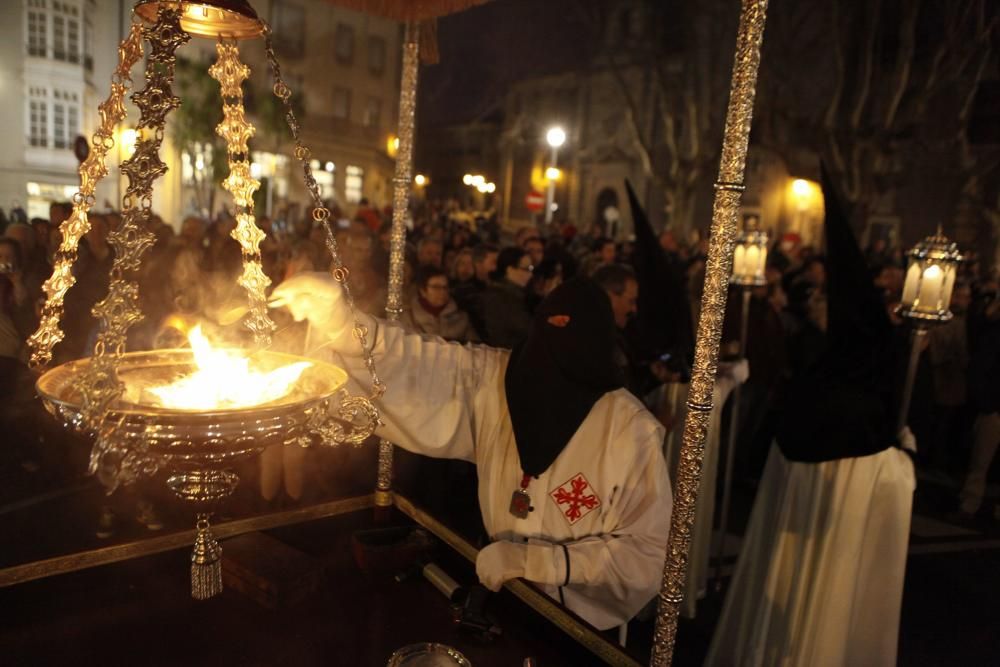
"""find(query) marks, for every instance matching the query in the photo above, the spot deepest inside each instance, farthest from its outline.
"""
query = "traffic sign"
(535, 201)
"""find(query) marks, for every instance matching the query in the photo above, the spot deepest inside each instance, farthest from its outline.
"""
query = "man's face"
(487, 266)
(521, 273)
(535, 249)
(430, 254)
(436, 291)
(625, 304)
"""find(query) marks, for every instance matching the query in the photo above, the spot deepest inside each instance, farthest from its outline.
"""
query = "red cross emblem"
(573, 500)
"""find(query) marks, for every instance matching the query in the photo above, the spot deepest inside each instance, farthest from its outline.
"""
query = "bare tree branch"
(867, 63)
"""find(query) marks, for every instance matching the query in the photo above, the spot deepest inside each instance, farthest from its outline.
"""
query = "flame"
(225, 379)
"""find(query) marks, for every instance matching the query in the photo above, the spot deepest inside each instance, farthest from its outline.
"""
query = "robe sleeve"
(438, 394)
(618, 571)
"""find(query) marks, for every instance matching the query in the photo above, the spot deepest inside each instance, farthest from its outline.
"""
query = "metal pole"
(550, 195)
(917, 336)
(734, 421)
(728, 192)
(401, 183)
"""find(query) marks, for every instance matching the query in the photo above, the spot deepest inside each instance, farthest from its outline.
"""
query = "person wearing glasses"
(505, 302)
(432, 310)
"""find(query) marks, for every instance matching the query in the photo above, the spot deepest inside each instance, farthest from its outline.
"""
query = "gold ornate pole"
(401, 182)
(728, 191)
(92, 170)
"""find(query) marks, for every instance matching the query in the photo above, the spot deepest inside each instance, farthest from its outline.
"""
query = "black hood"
(664, 312)
(841, 407)
(564, 367)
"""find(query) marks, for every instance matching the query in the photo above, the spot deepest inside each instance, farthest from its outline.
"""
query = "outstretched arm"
(437, 398)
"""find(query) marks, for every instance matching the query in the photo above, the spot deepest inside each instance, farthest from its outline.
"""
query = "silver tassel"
(206, 563)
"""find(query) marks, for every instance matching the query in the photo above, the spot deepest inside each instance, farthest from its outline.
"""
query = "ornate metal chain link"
(321, 214)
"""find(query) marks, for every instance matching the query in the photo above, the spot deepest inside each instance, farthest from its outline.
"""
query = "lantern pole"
(728, 192)
(917, 338)
(400, 209)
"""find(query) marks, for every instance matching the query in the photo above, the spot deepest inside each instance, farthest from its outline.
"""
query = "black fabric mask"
(563, 368)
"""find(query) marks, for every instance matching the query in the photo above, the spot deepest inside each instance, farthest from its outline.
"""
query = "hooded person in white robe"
(573, 487)
(819, 580)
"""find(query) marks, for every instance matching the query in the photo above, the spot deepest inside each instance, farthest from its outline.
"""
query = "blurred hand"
(317, 297)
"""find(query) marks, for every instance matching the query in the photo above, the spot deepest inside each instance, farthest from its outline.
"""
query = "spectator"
(535, 248)
(433, 311)
(603, 253)
(506, 316)
(369, 215)
(430, 252)
(484, 258)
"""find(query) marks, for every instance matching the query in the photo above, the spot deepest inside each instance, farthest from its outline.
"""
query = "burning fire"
(225, 379)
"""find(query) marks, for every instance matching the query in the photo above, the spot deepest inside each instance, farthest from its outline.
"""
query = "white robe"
(820, 578)
(447, 400)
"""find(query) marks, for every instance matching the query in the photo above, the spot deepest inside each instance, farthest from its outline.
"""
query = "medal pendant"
(520, 503)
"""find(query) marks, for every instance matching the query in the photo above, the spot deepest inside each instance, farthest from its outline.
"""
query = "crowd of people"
(469, 281)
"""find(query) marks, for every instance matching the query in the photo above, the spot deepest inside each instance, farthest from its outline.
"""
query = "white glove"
(500, 562)
(907, 440)
(317, 297)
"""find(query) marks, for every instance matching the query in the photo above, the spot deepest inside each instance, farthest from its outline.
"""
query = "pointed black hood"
(841, 407)
(664, 313)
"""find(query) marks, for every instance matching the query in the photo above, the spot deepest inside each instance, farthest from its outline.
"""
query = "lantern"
(750, 258)
(930, 279)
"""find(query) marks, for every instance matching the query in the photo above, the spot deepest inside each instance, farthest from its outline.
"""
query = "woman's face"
(436, 292)
(521, 273)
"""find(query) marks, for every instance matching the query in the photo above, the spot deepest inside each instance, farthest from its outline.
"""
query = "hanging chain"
(119, 310)
(236, 131)
(320, 213)
(92, 170)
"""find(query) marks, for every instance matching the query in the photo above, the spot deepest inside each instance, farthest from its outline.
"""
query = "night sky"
(485, 49)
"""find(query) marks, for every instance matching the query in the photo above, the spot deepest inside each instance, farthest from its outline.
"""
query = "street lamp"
(749, 266)
(555, 137)
(930, 279)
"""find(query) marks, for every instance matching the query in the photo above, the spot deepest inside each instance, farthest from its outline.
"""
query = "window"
(343, 43)
(65, 32)
(376, 55)
(53, 117)
(341, 102)
(59, 37)
(354, 181)
(58, 125)
(55, 24)
(38, 117)
(289, 25)
(373, 112)
(73, 38)
(37, 31)
(325, 175)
